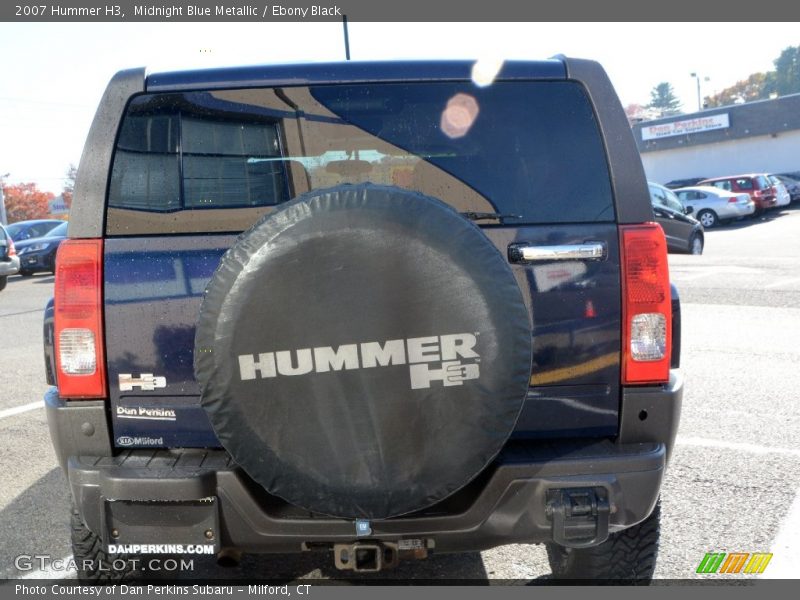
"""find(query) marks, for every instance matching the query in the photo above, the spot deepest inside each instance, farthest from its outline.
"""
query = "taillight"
(80, 363)
(646, 304)
(733, 200)
(12, 251)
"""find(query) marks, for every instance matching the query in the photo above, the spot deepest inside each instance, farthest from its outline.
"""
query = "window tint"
(216, 161)
(145, 173)
(657, 197)
(224, 164)
(762, 182)
(723, 185)
(13, 230)
(672, 201)
(40, 229)
(58, 231)
(744, 183)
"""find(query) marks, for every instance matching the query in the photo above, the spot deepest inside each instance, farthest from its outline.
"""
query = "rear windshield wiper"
(480, 216)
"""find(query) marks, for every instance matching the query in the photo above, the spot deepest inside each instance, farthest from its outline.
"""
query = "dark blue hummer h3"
(378, 309)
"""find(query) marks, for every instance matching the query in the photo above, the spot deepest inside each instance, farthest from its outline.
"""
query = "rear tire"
(696, 244)
(3, 282)
(93, 562)
(708, 218)
(629, 555)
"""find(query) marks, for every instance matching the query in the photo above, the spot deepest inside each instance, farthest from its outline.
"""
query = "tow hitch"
(580, 516)
(366, 557)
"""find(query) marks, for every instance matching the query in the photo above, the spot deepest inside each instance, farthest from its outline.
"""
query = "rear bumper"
(129, 491)
(734, 211)
(764, 203)
(34, 262)
(9, 267)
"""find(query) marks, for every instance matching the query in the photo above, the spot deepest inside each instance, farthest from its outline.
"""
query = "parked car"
(792, 185)
(782, 197)
(684, 233)
(757, 185)
(39, 254)
(679, 183)
(712, 205)
(35, 228)
(324, 422)
(795, 175)
(9, 261)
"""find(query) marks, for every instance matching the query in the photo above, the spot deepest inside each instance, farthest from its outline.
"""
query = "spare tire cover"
(363, 352)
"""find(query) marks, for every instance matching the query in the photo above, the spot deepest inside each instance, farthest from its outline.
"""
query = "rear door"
(192, 170)
(670, 215)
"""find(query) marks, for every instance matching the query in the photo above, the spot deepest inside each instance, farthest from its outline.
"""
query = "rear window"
(217, 161)
(58, 231)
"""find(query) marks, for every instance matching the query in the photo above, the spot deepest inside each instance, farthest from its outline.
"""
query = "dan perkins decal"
(446, 350)
(146, 413)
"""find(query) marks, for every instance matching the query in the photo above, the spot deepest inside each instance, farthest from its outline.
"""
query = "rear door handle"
(529, 253)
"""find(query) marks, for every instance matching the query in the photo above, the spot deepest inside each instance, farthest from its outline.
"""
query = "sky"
(54, 73)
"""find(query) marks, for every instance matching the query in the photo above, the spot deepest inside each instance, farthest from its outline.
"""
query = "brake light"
(12, 250)
(733, 200)
(80, 363)
(646, 305)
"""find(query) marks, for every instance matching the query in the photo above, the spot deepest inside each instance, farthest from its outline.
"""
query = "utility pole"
(697, 78)
(346, 38)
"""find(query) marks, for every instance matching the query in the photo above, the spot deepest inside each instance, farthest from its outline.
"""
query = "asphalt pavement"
(732, 485)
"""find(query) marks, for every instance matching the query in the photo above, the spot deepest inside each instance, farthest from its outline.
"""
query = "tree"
(785, 79)
(69, 185)
(25, 201)
(663, 99)
(756, 87)
(787, 71)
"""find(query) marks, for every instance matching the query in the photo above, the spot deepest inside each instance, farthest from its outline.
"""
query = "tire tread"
(629, 555)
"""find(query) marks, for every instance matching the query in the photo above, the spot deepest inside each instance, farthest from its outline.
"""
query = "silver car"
(9, 261)
(712, 205)
(782, 196)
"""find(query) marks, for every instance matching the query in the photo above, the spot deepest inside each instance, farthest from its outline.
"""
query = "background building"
(762, 136)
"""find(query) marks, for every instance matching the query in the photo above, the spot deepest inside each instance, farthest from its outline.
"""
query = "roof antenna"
(346, 38)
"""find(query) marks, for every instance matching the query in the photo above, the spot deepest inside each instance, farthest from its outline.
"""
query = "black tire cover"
(317, 284)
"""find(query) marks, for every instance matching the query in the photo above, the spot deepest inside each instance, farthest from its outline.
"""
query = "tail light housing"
(646, 305)
(733, 200)
(78, 320)
(12, 250)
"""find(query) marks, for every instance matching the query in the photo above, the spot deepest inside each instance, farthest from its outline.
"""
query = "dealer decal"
(449, 351)
(161, 549)
(139, 440)
(146, 413)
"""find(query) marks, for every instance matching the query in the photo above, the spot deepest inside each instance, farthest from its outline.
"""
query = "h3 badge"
(146, 381)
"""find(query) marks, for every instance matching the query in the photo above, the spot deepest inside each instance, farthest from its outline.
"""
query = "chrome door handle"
(523, 253)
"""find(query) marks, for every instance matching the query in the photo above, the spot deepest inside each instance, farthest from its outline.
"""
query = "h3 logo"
(451, 373)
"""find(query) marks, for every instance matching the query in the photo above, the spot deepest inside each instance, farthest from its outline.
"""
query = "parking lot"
(732, 485)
